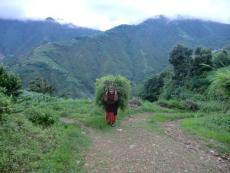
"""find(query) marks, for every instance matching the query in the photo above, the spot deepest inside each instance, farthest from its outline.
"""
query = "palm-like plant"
(220, 82)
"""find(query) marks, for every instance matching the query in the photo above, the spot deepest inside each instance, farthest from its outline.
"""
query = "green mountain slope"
(17, 37)
(135, 51)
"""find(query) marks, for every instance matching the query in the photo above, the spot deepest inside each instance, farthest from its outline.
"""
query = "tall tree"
(180, 58)
(153, 87)
(202, 61)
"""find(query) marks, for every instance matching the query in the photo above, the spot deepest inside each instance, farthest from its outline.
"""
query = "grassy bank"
(34, 140)
(209, 123)
(214, 129)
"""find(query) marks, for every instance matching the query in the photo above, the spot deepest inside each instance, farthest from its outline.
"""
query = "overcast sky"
(104, 14)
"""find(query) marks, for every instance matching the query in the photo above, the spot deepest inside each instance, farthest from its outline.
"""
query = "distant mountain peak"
(158, 19)
(50, 19)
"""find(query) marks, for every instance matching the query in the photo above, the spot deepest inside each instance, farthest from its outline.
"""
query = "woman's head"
(111, 90)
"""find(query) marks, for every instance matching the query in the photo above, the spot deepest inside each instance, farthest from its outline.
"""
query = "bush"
(40, 117)
(135, 103)
(191, 105)
(176, 104)
(221, 59)
(41, 86)
(222, 121)
(4, 105)
(10, 83)
(170, 104)
(122, 85)
(220, 83)
(153, 87)
(211, 106)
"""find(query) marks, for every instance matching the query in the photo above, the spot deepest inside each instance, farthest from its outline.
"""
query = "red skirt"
(110, 117)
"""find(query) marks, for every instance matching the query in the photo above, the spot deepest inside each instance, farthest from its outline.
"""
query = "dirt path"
(132, 148)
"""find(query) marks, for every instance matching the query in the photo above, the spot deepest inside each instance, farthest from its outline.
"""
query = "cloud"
(104, 14)
(11, 10)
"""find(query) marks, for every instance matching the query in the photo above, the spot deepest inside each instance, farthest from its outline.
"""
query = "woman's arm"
(116, 96)
(106, 96)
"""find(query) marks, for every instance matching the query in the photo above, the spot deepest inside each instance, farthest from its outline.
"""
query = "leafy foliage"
(153, 87)
(220, 82)
(122, 86)
(191, 78)
(5, 104)
(180, 58)
(221, 58)
(202, 61)
(42, 117)
(10, 84)
(41, 86)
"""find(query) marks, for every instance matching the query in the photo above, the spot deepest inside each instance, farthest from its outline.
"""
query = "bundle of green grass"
(121, 85)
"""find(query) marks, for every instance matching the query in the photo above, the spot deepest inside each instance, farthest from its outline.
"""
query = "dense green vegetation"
(40, 133)
(43, 133)
(41, 86)
(33, 139)
(10, 84)
(198, 87)
(135, 52)
(194, 76)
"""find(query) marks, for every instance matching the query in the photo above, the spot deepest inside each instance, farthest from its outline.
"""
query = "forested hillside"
(135, 51)
(18, 37)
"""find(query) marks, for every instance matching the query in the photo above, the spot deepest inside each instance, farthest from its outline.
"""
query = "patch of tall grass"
(213, 128)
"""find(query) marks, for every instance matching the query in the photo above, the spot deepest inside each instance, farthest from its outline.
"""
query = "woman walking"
(111, 105)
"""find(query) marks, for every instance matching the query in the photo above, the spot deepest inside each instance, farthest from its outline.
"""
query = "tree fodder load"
(119, 83)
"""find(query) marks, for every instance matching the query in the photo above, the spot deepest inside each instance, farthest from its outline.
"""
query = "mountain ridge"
(17, 37)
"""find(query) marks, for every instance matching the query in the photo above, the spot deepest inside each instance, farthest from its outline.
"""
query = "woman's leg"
(107, 118)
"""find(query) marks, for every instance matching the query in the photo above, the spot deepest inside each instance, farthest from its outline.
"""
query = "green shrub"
(222, 122)
(155, 86)
(220, 82)
(190, 105)
(221, 59)
(122, 85)
(4, 104)
(10, 83)
(211, 106)
(171, 104)
(40, 116)
(41, 86)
